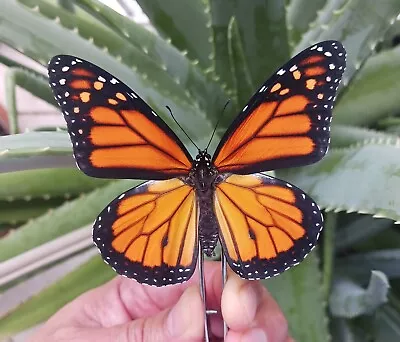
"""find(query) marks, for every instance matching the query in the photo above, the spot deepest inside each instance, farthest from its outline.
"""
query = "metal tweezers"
(203, 291)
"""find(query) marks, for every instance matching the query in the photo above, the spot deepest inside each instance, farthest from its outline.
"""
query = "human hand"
(125, 311)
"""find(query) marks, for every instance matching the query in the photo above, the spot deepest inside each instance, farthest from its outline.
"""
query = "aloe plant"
(204, 52)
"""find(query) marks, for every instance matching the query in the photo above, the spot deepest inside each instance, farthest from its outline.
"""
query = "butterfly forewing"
(287, 121)
(266, 225)
(114, 133)
(149, 233)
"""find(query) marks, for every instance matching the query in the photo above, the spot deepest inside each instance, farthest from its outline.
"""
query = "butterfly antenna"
(170, 111)
(216, 125)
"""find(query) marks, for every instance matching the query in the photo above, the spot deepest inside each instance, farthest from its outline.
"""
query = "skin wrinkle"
(145, 304)
(96, 313)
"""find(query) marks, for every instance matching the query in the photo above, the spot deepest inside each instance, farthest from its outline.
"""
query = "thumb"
(183, 322)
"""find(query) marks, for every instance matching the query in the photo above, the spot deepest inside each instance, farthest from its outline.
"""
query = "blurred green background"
(198, 54)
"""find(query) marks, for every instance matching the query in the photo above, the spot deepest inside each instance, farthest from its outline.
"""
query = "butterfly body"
(152, 233)
(203, 178)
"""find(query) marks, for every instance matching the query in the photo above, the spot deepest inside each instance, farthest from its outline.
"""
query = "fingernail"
(178, 320)
(254, 335)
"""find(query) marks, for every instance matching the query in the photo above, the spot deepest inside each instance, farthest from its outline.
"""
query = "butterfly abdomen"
(208, 225)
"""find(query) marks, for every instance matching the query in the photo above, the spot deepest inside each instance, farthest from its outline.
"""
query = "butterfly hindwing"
(149, 233)
(266, 225)
(287, 121)
(114, 133)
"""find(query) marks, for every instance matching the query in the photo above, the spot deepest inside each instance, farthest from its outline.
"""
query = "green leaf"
(40, 307)
(354, 180)
(66, 218)
(35, 150)
(33, 82)
(392, 36)
(61, 182)
(349, 300)
(343, 136)
(188, 74)
(300, 17)
(360, 265)
(239, 68)
(328, 252)
(387, 324)
(148, 54)
(358, 24)
(390, 239)
(299, 294)
(374, 93)
(344, 331)
(9, 62)
(390, 123)
(20, 211)
(26, 30)
(262, 28)
(359, 230)
(185, 23)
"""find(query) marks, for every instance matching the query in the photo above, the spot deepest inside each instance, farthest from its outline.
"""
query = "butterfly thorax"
(203, 177)
(203, 173)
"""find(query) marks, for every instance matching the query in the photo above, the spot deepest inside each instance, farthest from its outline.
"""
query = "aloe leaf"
(40, 307)
(354, 180)
(262, 28)
(344, 331)
(394, 130)
(66, 218)
(138, 48)
(20, 211)
(26, 30)
(176, 20)
(67, 5)
(359, 230)
(328, 252)
(387, 324)
(187, 73)
(374, 93)
(240, 72)
(358, 24)
(360, 265)
(10, 62)
(299, 294)
(392, 37)
(348, 299)
(300, 16)
(61, 182)
(389, 122)
(390, 239)
(35, 150)
(343, 136)
(35, 83)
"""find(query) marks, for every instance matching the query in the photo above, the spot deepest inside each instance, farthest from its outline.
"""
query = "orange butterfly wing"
(149, 233)
(287, 122)
(114, 133)
(266, 224)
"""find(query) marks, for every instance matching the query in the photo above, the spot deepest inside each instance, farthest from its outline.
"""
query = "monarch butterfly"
(151, 232)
